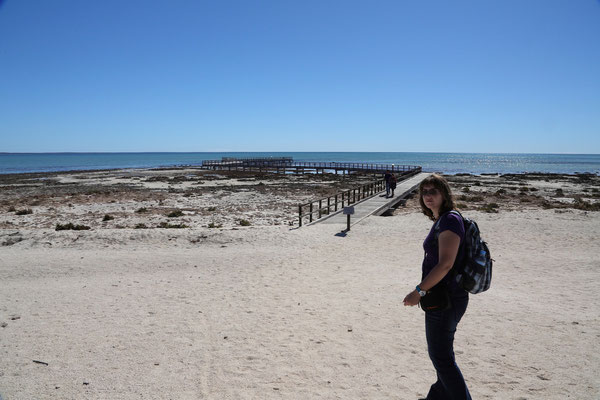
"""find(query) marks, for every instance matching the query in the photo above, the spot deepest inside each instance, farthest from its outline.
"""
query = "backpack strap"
(436, 232)
(455, 212)
(437, 223)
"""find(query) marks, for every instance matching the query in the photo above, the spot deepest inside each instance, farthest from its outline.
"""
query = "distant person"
(387, 177)
(442, 247)
(393, 182)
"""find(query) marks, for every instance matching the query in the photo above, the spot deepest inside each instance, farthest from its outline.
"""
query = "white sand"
(271, 313)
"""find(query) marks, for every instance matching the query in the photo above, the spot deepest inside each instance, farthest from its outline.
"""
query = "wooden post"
(328, 206)
(311, 212)
(300, 214)
(320, 206)
(336, 201)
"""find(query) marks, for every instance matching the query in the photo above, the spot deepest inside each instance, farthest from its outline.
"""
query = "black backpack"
(474, 272)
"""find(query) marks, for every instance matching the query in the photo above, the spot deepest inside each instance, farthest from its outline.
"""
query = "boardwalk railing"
(226, 161)
(317, 208)
(287, 164)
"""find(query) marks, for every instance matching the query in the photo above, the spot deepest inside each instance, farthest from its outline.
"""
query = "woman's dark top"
(452, 222)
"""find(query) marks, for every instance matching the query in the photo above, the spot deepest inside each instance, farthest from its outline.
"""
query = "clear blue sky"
(282, 75)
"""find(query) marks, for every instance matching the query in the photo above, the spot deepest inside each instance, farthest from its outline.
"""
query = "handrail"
(344, 198)
(289, 163)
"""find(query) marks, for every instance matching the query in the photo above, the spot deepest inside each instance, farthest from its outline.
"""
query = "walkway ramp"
(375, 205)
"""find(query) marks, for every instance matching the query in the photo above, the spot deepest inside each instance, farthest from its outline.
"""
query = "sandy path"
(296, 314)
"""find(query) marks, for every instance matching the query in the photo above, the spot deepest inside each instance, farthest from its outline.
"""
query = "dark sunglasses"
(432, 192)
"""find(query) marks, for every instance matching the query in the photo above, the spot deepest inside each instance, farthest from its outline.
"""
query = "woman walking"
(443, 247)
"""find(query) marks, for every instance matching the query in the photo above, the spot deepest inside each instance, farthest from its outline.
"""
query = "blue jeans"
(440, 327)
(387, 188)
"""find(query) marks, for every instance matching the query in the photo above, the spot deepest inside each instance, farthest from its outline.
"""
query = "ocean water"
(449, 163)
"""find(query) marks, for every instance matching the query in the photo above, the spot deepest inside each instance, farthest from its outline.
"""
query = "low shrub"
(26, 211)
(500, 192)
(140, 226)
(490, 208)
(141, 210)
(581, 204)
(107, 218)
(12, 209)
(175, 214)
(244, 222)
(476, 198)
(167, 225)
(548, 205)
(466, 189)
(72, 227)
(213, 225)
(212, 208)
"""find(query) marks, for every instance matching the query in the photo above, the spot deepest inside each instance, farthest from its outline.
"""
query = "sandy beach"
(228, 299)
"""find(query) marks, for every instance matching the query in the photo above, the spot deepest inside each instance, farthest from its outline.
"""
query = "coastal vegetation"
(230, 199)
(71, 226)
(26, 211)
(167, 225)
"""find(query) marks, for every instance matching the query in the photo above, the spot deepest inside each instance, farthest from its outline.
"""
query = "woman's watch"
(421, 292)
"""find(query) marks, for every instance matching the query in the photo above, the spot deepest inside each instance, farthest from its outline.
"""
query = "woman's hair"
(442, 185)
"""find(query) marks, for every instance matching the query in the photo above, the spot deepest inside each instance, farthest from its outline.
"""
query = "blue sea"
(448, 163)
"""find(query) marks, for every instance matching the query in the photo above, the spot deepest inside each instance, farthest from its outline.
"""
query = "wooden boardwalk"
(288, 165)
(375, 205)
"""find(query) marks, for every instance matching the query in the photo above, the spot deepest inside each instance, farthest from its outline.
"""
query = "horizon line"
(279, 151)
